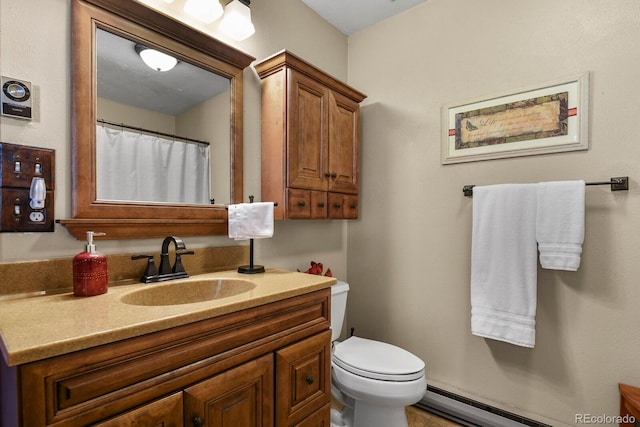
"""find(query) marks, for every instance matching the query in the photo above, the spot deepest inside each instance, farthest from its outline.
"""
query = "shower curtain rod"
(139, 129)
(617, 184)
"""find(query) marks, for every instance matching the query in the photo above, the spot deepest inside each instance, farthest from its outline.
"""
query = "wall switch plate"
(20, 166)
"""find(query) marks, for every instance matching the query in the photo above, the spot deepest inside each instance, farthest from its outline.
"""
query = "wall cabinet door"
(239, 397)
(307, 127)
(344, 144)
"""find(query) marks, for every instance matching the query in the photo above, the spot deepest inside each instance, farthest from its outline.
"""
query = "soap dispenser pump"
(90, 270)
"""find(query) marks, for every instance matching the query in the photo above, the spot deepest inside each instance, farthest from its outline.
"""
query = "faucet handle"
(150, 273)
(178, 267)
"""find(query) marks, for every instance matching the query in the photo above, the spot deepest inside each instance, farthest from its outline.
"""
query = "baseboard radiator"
(470, 413)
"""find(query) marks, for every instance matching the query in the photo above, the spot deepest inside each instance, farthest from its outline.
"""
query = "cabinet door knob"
(321, 204)
(198, 422)
(353, 206)
(309, 379)
(327, 174)
(337, 205)
(301, 203)
(334, 175)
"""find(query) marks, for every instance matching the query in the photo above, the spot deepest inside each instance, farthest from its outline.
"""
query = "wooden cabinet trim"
(285, 58)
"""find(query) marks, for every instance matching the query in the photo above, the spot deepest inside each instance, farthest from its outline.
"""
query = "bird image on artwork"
(470, 126)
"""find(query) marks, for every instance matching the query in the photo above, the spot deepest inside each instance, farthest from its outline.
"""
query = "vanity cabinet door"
(320, 418)
(240, 397)
(303, 373)
(166, 412)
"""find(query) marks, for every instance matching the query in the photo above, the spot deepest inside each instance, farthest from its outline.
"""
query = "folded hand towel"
(504, 263)
(560, 224)
(251, 220)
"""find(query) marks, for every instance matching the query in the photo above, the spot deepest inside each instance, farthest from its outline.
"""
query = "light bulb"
(237, 20)
(206, 11)
(156, 60)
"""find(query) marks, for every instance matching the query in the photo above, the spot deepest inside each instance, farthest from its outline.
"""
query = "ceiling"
(124, 78)
(351, 16)
(149, 89)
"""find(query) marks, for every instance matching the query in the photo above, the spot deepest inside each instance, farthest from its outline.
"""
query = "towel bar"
(617, 184)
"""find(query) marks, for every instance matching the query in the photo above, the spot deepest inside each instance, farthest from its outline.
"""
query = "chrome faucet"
(165, 271)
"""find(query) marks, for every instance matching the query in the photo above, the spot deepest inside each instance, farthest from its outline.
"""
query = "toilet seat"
(377, 360)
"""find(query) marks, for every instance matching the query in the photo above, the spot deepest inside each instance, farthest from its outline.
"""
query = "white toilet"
(374, 380)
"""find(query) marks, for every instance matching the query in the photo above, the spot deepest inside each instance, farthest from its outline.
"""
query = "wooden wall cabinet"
(310, 140)
(261, 367)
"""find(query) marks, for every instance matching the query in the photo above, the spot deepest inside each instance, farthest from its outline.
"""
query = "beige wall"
(409, 254)
(36, 47)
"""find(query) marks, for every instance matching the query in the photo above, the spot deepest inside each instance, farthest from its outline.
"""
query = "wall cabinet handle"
(301, 203)
(309, 379)
(198, 422)
(337, 205)
(321, 204)
(334, 175)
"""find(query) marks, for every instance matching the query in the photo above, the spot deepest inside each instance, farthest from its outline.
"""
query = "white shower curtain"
(137, 167)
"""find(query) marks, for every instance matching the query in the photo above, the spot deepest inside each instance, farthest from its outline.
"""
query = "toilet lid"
(377, 360)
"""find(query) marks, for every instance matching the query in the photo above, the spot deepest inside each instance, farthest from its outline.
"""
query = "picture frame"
(541, 119)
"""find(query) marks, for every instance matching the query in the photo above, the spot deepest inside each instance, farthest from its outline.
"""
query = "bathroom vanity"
(258, 357)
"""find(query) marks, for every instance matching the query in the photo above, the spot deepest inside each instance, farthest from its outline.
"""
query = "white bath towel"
(560, 224)
(251, 221)
(504, 263)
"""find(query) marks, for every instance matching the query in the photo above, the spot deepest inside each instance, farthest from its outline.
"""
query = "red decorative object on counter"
(90, 270)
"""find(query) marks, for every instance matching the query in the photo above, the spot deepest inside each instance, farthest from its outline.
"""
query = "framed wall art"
(547, 118)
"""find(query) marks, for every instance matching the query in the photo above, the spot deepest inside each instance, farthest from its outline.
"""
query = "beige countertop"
(34, 328)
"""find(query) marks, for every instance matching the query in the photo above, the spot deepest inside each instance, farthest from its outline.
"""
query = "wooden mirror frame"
(129, 220)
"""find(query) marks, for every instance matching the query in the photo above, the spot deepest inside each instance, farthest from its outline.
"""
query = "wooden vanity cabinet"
(264, 366)
(310, 140)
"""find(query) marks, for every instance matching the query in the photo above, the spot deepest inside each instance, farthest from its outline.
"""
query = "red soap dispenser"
(90, 270)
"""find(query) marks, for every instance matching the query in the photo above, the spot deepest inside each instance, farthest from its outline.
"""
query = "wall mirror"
(154, 152)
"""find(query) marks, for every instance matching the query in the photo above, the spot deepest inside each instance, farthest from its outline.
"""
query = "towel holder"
(251, 268)
(620, 183)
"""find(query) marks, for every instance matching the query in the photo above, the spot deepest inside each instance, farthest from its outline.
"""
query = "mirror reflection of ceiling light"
(206, 11)
(154, 59)
(237, 20)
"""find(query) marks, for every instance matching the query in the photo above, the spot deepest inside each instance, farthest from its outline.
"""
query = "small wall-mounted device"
(26, 186)
(16, 98)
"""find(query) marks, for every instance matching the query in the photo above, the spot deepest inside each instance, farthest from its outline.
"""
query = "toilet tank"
(338, 308)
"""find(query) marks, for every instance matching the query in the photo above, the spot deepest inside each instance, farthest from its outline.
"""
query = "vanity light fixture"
(237, 20)
(206, 11)
(154, 59)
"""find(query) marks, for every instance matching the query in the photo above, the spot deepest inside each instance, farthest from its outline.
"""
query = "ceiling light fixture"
(237, 20)
(154, 59)
(206, 11)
